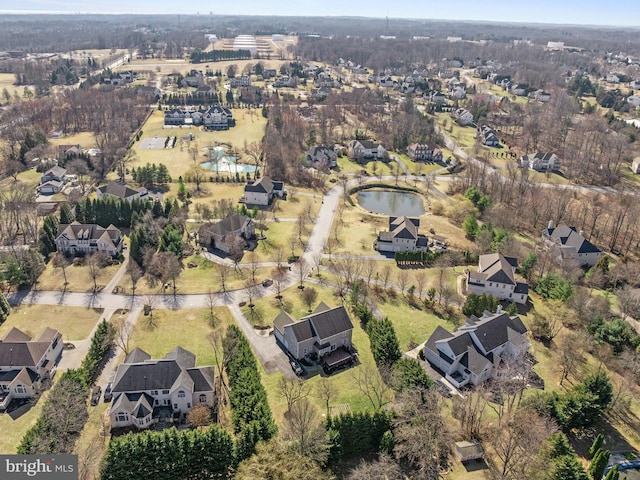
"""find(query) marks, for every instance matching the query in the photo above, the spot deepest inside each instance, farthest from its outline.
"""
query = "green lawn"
(78, 278)
(187, 328)
(374, 167)
(74, 323)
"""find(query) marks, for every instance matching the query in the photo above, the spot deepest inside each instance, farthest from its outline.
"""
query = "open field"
(78, 277)
(343, 381)
(167, 66)
(30, 177)
(187, 328)
(419, 168)
(7, 81)
(84, 139)
(373, 167)
(201, 279)
(74, 323)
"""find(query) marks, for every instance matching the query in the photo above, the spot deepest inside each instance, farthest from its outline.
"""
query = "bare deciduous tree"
(326, 391)
(305, 431)
(368, 380)
(293, 390)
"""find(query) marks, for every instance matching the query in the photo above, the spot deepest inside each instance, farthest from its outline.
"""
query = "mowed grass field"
(7, 80)
(250, 125)
(78, 278)
(74, 323)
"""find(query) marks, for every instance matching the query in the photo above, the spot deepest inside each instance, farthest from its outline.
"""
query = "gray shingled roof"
(474, 360)
(264, 185)
(302, 330)
(203, 379)
(185, 358)
(404, 227)
(16, 335)
(117, 189)
(230, 224)
(460, 342)
(22, 354)
(137, 355)
(569, 237)
(138, 377)
(330, 322)
(439, 334)
(497, 268)
(282, 320)
(492, 331)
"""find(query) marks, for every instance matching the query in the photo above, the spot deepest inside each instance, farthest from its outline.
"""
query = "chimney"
(499, 309)
(550, 225)
(581, 233)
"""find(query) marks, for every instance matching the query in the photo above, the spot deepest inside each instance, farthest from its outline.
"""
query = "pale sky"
(585, 12)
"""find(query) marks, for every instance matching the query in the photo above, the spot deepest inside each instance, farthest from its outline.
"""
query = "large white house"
(471, 354)
(25, 363)
(569, 246)
(365, 149)
(541, 162)
(402, 236)
(496, 277)
(142, 386)
(84, 239)
(325, 335)
(121, 191)
(263, 191)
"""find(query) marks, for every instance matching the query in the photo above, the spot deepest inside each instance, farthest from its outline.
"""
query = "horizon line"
(210, 14)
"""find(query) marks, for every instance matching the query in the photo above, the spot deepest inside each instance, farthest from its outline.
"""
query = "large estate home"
(366, 149)
(26, 363)
(487, 135)
(541, 162)
(322, 158)
(496, 277)
(325, 335)
(262, 191)
(471, 354)
(402, 236)
(234, 230)
(84, 239)
(213, 118)
(569, 247)
(121, 191)
(425, 152)
(142, 387)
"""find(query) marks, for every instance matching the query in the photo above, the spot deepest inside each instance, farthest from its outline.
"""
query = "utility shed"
(466, 451)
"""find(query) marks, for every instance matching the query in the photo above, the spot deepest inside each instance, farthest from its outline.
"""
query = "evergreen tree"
(5, 309)
(613, 474)
(48, 234)
(598, 464)
(66, 215)
(470, 226)
(384, 342)
(597, 444)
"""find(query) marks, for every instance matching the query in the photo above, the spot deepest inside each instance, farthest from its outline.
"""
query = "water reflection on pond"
(391, 203)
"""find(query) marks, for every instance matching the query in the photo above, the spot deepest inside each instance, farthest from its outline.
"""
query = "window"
(180, 394)
(188, 405)
(154, 392)
(165, 392)
(175, 406)
(122, 417)
(490, 284)
(203, 399)
(141, 421)
(166, 402)
(20, 389)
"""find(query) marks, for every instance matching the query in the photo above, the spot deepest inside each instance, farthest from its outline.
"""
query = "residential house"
(51, 187)
(69, 151)
(466, 451)
(325, 335)
(612, 78)
(121, 191)
(263, 191)
(84, 239)
(496, 277)
(402, 236)
(269, 73)
(569, 246)
(242, 81)
(541, 161)
(218, 118)
(519, 89)
(488, 136)
(542, 96)
(425, 152)
(635, 165)
(407, 88)
(365, 149)
(143, 387)
(385, 81)
(324, 80)
(463, 117)
(437, 97)
(225, 235)
(153, 93)
(56, 173)
(25, 363)
(474, 351)
(634, 100)
(458, 92)
(193, 79)
(322, 158)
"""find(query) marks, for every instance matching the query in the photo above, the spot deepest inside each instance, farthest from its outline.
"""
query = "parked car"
(96, 393)
(108, 393)
(296, 367)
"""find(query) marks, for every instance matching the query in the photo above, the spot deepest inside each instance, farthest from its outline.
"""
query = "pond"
(221, 163)
(391, 203)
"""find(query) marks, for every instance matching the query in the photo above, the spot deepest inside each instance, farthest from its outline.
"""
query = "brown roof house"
(83, 239)
(234, 230)
(25, 363)
(471, 354)
(143, 387)
(402, 236)
(324, 335)
(496, 277)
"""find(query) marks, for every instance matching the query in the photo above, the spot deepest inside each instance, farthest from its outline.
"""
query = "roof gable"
(330, 322)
